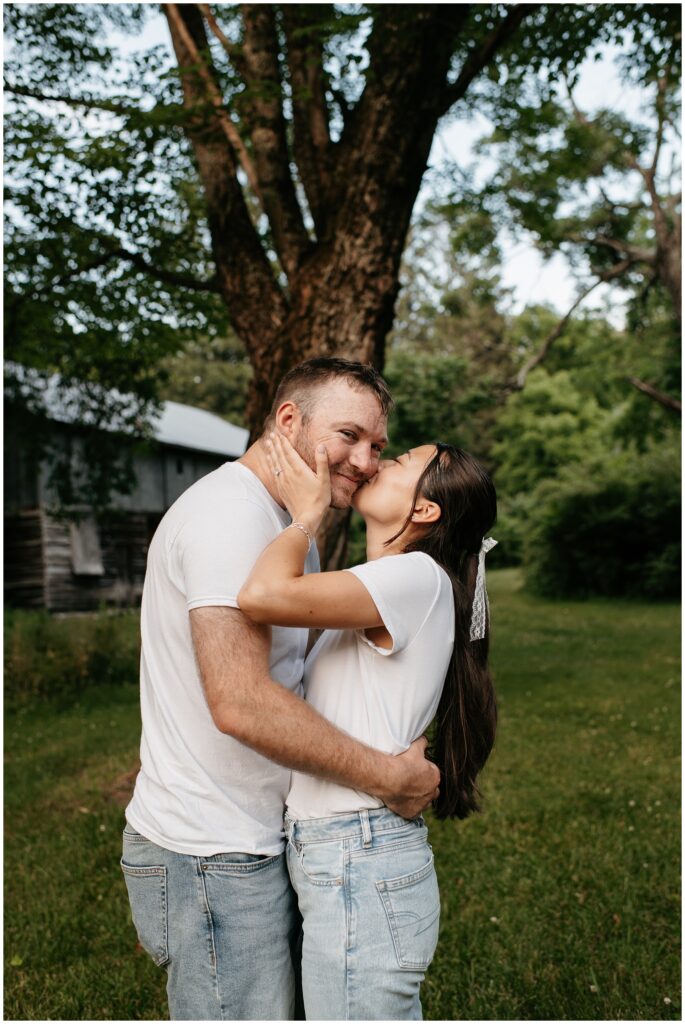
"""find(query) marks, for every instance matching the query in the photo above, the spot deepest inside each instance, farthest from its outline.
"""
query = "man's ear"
(288, 419)
(426, 512)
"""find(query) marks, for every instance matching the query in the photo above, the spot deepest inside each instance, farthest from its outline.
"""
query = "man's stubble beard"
(305, 449)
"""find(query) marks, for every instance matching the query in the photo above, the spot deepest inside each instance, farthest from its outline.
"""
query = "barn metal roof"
(189, 427)
(183, 426)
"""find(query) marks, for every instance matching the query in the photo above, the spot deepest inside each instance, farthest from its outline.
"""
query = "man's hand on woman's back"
(416, 781)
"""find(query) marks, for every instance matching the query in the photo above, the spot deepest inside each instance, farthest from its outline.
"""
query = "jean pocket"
(147, 894)
(320, 863)
(412, 907)
(131, 836)
(237, 864)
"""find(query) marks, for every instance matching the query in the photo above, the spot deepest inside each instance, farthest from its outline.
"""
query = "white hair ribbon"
(479, 615)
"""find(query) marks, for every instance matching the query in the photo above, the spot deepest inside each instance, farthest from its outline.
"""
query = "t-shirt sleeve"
(404, 589)
(214, 552)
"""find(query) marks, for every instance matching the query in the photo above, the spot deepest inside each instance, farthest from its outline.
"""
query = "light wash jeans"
(226, 928)
(370, 905)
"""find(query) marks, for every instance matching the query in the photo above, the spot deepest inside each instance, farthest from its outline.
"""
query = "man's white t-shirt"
(199, 791)
(385, 698)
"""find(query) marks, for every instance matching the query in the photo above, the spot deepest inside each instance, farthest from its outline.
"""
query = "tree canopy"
(266, 176)
(189, 220)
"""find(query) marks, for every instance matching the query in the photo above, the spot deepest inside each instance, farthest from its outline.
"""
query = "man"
(223, 721)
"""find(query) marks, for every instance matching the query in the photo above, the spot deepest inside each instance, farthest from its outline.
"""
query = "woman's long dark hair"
(467, 714)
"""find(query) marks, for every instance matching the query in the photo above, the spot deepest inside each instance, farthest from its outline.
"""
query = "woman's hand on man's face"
(306, 494)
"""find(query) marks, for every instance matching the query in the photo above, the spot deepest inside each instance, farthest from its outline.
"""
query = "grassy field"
(560, 901)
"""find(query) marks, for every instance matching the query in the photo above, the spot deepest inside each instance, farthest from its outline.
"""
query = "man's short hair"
(301, 384)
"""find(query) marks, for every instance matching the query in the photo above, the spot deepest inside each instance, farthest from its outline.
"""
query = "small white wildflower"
(494, 920)
(631, 803)
(657, 803)
(102, 828)
(667, 1001)
(593, 988)
(631, 828)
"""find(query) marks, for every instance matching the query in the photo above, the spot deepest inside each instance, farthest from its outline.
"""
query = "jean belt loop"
(366, 827)
(289, 828)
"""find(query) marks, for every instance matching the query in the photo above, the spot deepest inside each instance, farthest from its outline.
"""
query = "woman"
(405, 641)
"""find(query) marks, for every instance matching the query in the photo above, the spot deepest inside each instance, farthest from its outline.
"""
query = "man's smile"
(356, 480)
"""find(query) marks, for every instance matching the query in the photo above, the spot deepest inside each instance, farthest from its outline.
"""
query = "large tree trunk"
(342, 264)
(360, 191)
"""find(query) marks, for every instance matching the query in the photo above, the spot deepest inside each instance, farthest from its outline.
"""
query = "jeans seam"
(214, 963)
(388, 848)
(348, 917)
(380, 832)
(236, 868)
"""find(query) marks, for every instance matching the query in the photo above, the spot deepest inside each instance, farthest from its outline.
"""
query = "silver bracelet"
(305, 531)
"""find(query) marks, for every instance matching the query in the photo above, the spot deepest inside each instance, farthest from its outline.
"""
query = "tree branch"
(173, 110)
(256, 303)
(168, 276)
(15, 300)
(617, 245)
(263, 113)
(660, 104)
(214, 96)
(234, 52)
(666, 256)
(312, 142)
(672, 404)
(519, 382)
(482, 55)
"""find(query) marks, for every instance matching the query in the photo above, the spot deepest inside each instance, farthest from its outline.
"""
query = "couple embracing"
(236, 765)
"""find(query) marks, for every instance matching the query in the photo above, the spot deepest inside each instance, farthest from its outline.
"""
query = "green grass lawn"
(560, 901)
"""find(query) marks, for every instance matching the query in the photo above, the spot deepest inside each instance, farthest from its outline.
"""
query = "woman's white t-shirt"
(385, 698)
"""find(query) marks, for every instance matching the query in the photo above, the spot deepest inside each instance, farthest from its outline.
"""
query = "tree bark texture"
(324, 279)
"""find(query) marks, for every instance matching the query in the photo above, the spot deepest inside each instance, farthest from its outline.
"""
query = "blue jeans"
(226, 929)
(370, 905)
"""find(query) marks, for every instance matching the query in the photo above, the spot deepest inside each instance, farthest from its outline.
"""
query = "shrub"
(49, 656)
(608, 526)
(513, 514)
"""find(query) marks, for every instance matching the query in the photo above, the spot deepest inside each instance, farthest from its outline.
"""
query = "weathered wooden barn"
(60, 564)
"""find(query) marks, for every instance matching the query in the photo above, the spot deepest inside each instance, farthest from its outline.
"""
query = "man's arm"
(233, 659)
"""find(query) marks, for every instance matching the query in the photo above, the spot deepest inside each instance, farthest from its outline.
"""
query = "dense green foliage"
(110, 276)
(559, 901)
(109, 261)
(212, 373)
(47, 656)
(610, 524)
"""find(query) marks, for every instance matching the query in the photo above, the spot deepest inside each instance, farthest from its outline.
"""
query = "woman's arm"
(277, 591)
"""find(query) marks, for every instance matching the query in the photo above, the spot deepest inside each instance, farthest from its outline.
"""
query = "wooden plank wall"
(24, 567)
(38, 566)
(124, 542)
